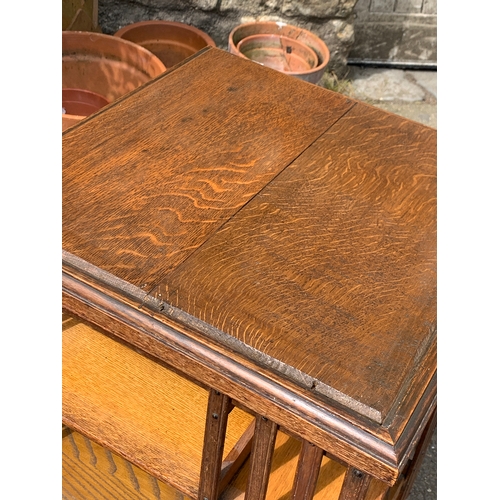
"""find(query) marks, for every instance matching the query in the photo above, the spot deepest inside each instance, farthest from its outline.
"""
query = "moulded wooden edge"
(247, 384)
(246, 411)
(136, 407)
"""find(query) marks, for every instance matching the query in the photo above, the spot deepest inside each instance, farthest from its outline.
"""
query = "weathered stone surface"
(251, 7)
(338, 34)
(429, 7)
(318, 8)
(115, 14)
(426, 79)
(390, 31)
(176, 4)
(391, 42)
(218, 18)
(384, 85)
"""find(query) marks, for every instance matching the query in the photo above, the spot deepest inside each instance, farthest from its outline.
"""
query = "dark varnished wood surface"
(262, 391)
(276, 220)
(191, 151)
(331, 269)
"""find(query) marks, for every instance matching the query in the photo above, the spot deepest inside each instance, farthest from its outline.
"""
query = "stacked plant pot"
(101, 68)
(283, 47)
(98, 68)
(171, 42)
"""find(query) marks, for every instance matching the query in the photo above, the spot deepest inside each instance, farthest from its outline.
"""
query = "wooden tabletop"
(272, 220)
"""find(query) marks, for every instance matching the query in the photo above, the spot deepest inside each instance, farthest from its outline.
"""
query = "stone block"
(249, 7)
(179, 4)
(396, 42)
(338, 34)
(382, 5)
(429, 7)
(409, 6)
(218, 19)
(318, 8)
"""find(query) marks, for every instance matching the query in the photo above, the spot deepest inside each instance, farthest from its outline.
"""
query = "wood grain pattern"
(331, 269)
(90, 471)
(283, 467)
(355, 486)
(260, 458)
(190, 151)
(219, 406)
(307, 471)
(140, 410)
(234, 376)
(283, 240)
(236, 457)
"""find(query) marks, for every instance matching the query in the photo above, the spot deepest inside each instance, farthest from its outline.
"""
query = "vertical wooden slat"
(218, 408)
(413, 467)
(306, 475)
(355, 485)
(261, 456)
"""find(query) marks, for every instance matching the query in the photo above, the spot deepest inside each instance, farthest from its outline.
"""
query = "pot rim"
(188, 27)
(83, 96)
(321, 50)
(293, 41)
(135, 54)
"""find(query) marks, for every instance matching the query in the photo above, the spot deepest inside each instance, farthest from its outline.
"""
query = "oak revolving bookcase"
(249, 291)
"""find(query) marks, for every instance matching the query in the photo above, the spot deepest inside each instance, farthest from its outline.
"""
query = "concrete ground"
(412, 94)
(409, 93)
(425, 485)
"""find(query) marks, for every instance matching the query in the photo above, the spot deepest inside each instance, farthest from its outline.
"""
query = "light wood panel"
(137, 408)
(226, 372)
(113, 394)
(283, 467)
(90, 471)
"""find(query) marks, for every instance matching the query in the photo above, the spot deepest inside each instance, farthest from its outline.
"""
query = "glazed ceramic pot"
(105, 64)
(278, 52)
(312, 75)
(170, 41)
(79, 103)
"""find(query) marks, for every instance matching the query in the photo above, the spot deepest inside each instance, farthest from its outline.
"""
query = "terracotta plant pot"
(82, 102)
(78, 103)
(312, 75)
(105, 64)
(170, 41)
(279, 52)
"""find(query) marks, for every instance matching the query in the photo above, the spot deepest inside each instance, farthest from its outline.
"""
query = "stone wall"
(398, 32)
(331, 20)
